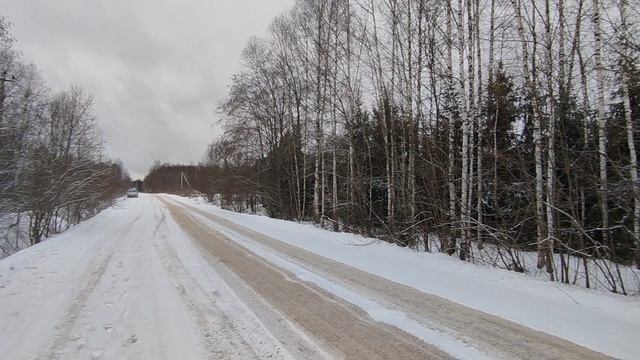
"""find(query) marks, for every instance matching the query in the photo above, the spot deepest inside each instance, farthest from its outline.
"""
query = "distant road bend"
(162, 279)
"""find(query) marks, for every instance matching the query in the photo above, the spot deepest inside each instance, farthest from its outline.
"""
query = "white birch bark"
(551, 157)
(602, 120)
(464, 187)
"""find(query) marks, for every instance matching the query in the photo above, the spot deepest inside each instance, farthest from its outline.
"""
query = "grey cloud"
(157, 68)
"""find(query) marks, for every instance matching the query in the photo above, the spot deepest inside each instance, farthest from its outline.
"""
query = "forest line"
(53, 169)
(481, 128)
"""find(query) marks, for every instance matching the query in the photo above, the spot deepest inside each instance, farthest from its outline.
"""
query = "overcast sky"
(157, 68)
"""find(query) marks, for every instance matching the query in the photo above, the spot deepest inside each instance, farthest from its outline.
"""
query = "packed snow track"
(160, 278)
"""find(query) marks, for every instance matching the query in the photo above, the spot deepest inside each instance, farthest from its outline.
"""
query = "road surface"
(157, 278)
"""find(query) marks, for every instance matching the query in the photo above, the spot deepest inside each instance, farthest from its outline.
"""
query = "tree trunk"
(453, 218)
(602, 122)
(481, 126)
(464, 196)
(633, 160)
(537, 136)
(551, 155)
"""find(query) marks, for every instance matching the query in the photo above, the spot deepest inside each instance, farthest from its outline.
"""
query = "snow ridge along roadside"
(166, 277)
(600, 321)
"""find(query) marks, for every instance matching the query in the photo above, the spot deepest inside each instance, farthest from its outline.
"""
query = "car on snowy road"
(132, 193)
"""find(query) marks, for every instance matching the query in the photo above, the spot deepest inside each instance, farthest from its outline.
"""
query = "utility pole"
(183, 179)
(3, 96)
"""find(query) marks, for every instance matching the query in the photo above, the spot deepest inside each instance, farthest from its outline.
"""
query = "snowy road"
(160, 278)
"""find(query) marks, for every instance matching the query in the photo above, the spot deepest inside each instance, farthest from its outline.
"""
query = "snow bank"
(601, 321)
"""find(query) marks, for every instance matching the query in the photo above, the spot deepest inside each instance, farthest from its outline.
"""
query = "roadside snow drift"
(134, 282)
(601, 321)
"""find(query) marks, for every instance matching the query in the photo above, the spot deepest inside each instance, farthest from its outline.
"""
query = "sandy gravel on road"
(341, 329)
(499, 336)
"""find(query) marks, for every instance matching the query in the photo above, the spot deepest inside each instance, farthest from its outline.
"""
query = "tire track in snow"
(501, 337)
(344, 330)
(222, 336)
(91, 280)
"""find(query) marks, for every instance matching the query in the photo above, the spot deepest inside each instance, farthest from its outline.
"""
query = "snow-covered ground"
(139, 282)
(602, 275)
(112, 288)
(602, 321)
